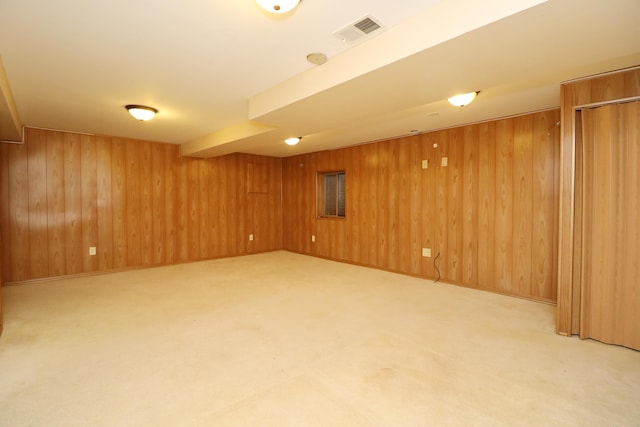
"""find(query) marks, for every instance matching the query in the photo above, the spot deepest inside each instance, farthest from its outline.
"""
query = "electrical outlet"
(92, 250)
(425, 164)
(426, 252)
(313, 237)
(250, 237)
(445, 161)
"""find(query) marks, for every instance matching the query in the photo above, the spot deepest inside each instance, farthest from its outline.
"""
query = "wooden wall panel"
(470, 205)
(600, 89)
(504, 206)
(104, 203)
(146, 204)
(72, 204)
(137, 202)
(545, 179)
(158, 203)
(171, 233)
(119, 203)
(55, 204)
(5, 255)
(30, 178)
(486, 203)
(523, 204)
(480, 212)
(89, 197)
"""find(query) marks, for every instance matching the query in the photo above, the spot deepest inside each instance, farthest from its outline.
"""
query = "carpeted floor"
(281, 339)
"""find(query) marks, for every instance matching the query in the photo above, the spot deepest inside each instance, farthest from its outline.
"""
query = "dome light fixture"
(292, 141)
(278, 6)
(141, 112)
(464, 99)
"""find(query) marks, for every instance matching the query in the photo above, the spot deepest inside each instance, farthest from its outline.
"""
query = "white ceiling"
(228, 77)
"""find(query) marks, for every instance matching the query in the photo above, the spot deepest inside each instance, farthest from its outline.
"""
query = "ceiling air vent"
(358, 29)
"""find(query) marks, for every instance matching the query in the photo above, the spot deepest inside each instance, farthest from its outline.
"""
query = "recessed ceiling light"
(141, 112)
(292, 141)
(463, 99)
(278, 6)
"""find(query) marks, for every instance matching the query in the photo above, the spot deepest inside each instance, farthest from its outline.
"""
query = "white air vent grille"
(359, 29)
(367, 25)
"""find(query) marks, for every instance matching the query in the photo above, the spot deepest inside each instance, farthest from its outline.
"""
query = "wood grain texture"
(479, 212)
(5, 255)
(31, 181)
(137, 202)
(610, 228)
(599, 89)
(72, 204)
(89, 190)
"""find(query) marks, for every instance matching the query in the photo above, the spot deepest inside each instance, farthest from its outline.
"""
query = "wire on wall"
(435, 264)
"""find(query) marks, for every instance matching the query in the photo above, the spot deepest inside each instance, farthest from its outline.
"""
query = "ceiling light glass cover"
(278, 6)
(141, 112)
(464, 99)
(292, 141)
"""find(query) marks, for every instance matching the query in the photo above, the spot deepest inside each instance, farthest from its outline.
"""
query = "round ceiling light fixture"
(317, 58)
(464, 99)
(292, 141)
(141, 112)
(278, 6)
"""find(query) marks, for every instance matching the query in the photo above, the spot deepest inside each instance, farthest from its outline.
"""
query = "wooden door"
(610, 297)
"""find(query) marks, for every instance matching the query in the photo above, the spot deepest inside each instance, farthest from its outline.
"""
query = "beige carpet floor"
(281, 339)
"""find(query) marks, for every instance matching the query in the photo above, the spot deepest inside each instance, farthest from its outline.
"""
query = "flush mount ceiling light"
(278, 6)
(464, 99)
(141, 112)
(317, 58)
(292, 141)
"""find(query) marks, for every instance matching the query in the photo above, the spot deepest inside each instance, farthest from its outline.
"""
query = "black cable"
(436, 266)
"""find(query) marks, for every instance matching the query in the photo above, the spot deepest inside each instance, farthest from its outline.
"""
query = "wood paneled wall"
(574, 95)
(490, 214)
(137, 202)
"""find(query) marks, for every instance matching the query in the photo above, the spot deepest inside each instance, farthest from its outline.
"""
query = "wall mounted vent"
(359, 29)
